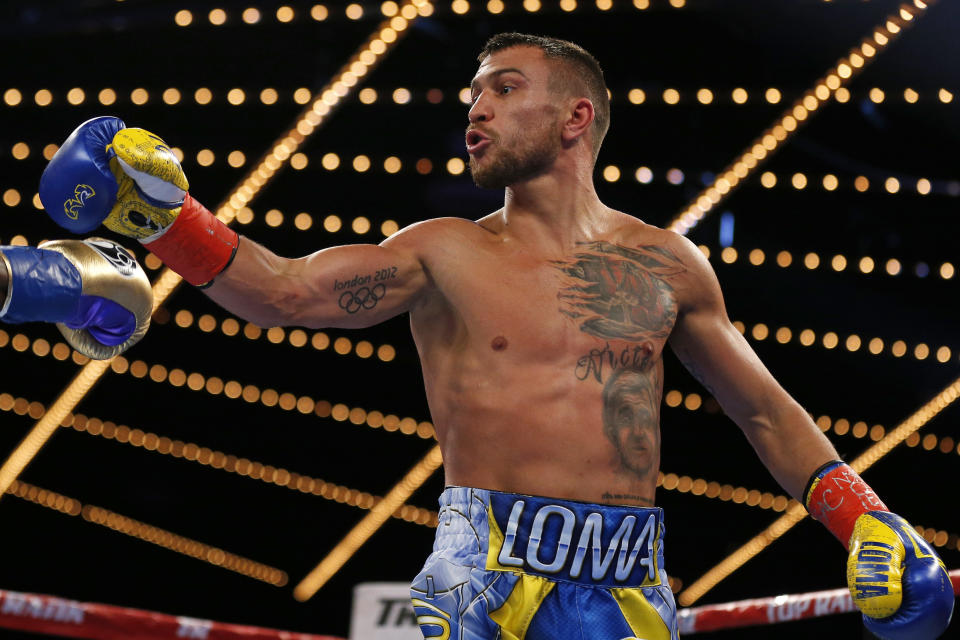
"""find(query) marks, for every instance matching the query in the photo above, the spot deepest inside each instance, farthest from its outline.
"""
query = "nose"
(481, 110)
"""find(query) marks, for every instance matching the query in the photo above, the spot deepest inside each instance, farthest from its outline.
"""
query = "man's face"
(514, 131)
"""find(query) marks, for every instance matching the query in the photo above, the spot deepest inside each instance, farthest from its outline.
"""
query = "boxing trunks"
(515, 567)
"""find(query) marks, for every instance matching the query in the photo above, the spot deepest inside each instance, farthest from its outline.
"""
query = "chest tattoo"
(623, 294)
(620, 293)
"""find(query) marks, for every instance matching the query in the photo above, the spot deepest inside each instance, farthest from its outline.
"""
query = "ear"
(580, 116)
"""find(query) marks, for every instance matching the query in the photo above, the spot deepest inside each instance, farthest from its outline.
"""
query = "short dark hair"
(581, 73)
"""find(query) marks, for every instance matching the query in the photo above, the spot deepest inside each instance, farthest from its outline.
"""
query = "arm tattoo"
(363, 291)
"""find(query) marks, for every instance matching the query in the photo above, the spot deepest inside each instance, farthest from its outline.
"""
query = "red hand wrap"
(838, 496)
(197, 245)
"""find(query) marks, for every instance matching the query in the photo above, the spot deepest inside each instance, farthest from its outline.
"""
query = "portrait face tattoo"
(630, 419)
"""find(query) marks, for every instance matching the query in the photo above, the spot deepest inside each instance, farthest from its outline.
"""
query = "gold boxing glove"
(107, 271)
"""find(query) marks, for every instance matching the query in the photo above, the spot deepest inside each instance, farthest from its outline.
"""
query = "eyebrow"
(496, 74)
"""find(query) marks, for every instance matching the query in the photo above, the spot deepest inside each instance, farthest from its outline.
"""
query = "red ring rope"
(72, 619)
(773, 610)
(69, 618)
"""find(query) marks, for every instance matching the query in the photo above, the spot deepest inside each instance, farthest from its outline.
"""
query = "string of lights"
(779, 503)
(852, 343)
(363, 163)
(840, 426)
(272, 96)
(795, 513)
(838, 263)
(286, 14)
(354, 11)
(217, 460)
(366, 59)
(268, 397)
(357, 536)
(797, 114)
(148, 533)
(297, 338)
(231, 389)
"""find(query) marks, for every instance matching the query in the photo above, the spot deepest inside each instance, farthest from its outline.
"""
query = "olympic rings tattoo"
(362, 298)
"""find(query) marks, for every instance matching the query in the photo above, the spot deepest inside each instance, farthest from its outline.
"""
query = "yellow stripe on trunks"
(516, 614)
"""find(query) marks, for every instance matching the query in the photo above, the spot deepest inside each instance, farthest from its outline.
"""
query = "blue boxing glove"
(126, 178)
(895, 578)
(129, 180)
(96, 293)
(78, 188)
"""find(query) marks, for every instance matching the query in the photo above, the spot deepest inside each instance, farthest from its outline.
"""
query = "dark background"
(718, 44)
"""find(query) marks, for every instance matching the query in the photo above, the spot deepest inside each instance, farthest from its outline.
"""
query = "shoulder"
(691, 276)
(426, 234)
(633, 232)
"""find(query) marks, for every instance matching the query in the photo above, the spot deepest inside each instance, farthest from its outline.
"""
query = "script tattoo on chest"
(622, 294)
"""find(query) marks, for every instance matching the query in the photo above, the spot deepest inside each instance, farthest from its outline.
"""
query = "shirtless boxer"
(540, 329)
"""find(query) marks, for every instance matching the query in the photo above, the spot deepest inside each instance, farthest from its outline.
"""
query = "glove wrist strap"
(197, 245)
(836, 496)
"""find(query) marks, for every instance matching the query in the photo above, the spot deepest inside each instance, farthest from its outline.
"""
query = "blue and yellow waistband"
(562, 540)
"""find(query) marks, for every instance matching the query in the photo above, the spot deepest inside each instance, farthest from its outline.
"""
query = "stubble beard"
(528, 159)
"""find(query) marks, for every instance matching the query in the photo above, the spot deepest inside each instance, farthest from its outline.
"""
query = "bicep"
(350, 286)
(360, 285)
(715, 353)
(719, 357)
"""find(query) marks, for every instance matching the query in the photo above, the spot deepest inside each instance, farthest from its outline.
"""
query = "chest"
(598, 295)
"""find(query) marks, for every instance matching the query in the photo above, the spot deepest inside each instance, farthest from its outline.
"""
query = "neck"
(558, 208)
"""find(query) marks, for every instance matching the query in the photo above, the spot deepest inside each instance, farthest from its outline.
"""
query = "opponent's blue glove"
(895, 578)
(97, 294)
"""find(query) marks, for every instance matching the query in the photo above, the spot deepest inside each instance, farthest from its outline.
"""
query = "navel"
(499, 343)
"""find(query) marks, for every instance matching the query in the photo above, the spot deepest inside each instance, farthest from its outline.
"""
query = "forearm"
(350, 286)
(788, 443)
(260, 287)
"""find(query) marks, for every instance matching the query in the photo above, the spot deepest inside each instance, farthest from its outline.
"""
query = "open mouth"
(476, 140)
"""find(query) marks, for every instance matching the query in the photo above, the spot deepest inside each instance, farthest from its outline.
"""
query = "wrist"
(41, 285)
(197, 245)
(836, 496)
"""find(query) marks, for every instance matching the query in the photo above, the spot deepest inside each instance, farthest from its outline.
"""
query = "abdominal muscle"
(535, 429)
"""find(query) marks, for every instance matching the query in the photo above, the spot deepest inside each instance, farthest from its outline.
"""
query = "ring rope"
(71, 619)
(773, 610)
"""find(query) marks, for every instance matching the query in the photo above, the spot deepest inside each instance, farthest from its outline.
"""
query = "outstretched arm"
(894, 576)
(130, 180)
(710, 347)
(350, 286)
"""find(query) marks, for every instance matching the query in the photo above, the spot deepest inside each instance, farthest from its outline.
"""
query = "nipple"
(499, 343)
